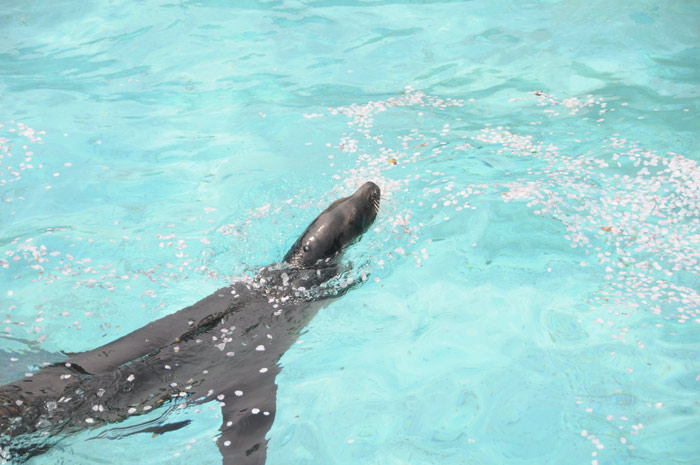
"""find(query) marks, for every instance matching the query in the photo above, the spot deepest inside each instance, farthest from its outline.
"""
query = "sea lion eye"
(306, 248)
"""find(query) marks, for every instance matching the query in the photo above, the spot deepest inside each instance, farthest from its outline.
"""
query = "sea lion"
(225, 348)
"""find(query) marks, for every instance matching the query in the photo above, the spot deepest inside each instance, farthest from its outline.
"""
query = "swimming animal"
(224, 349)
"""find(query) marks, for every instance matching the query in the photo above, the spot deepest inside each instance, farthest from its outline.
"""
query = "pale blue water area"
(534, 284)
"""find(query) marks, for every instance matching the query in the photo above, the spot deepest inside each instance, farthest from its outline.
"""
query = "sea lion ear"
(306, 250)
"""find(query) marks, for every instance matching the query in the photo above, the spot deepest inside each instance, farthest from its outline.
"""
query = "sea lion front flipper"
(247, 417)
(172, 328)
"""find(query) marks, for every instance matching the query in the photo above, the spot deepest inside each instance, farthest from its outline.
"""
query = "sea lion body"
(225, 349)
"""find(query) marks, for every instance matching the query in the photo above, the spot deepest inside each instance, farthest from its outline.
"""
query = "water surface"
(534, 293)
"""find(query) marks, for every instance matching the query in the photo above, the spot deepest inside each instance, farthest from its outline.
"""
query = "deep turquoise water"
(534, 295)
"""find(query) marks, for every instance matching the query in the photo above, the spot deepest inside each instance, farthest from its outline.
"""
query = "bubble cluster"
(16, 155)
(631, 213)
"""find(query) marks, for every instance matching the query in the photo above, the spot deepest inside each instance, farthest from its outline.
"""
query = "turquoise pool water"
(534, 295)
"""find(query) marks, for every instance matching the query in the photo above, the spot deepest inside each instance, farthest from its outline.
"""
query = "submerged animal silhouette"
(224, 348)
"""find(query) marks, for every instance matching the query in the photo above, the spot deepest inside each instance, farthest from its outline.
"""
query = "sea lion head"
(343, 222)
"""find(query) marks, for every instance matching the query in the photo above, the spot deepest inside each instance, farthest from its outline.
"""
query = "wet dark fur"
(208, 352)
